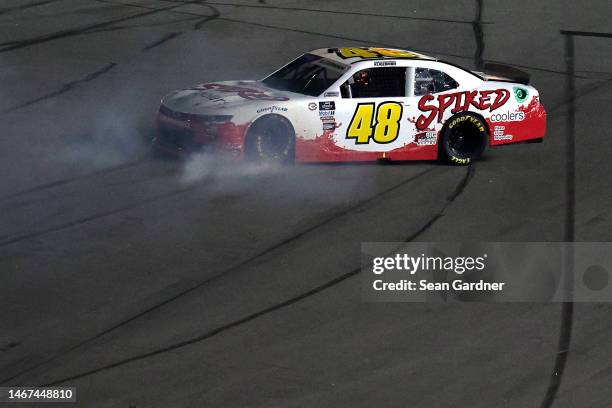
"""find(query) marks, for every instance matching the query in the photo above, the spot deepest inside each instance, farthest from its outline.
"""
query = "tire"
(271, 139)
(463, 139)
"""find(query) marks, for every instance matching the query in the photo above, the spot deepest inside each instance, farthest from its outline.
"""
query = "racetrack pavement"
(155, 283)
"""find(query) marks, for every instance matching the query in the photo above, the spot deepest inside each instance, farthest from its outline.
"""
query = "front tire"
(271, 139)
(463, 139)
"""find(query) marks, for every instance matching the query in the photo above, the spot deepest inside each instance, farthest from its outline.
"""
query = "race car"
(355, 104)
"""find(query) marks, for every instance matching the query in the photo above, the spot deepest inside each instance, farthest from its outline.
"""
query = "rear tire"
(463, 139)
(271, 139)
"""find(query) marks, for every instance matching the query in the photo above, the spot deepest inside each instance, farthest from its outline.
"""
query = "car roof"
(351, 55)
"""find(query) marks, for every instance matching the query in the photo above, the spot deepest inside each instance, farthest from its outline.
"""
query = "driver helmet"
(362, 78)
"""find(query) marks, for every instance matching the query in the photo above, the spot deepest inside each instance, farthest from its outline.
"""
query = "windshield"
(309, 75)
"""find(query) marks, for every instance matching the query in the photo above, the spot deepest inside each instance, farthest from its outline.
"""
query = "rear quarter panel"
(521, 118)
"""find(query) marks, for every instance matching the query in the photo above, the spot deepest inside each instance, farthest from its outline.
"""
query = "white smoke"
(114, 139)
(209, 167)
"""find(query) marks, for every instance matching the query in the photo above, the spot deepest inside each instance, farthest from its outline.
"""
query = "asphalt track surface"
(156, 283)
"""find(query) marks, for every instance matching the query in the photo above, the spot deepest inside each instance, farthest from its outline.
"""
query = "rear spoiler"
(501, 72)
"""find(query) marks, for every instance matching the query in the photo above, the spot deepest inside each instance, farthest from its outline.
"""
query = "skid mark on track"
(215, 15)
(288, 29)
(103, 27)
(329, 284)
(343, 13)
(215, 331)
(93, 217)
(346, 38)
(145, 25)
(165, 38)
(9, 345)
(65, 88)
(80, 30)
(68, 180)
(198, 285)
(25, 6)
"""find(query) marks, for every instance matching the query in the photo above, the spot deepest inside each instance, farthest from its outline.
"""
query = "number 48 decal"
(384, 130)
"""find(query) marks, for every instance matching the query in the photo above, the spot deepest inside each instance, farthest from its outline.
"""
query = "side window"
(431, 81)
(376, 83)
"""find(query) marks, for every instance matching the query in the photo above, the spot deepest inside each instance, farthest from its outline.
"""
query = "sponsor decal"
(427, 138)
(463, 118)
(246, 93)
(520, 94)
(433, 108)
(329, 125)
(327, 118)
(327, 106)
(331, 94)
(384, 63)
(272, 109)
(312, 106)
(499, 133)
(327, 113)
(508, 117)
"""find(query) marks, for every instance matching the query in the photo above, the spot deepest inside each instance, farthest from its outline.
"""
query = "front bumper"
(181, 133)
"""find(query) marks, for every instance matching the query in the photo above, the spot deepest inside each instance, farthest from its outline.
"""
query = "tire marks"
(165, 38)
(145, 25)
(83, 29)
(287, 29)
(97, 28)
(25, 6)
(342, 13)
(347, 38)
(70, 85)
(278, 245)
(68, 180)
(96, 216)
(65, 88)
(196, 26)
(215, 15)
(459, 189)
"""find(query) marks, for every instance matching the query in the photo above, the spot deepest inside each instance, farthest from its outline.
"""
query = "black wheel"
(463, 138)
(271, 139)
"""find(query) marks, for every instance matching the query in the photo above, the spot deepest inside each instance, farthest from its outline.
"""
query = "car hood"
(220, 96)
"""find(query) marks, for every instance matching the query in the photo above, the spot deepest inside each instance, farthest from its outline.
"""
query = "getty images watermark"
(487, 271)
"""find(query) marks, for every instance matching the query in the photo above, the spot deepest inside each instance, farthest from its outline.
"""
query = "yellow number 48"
(384, 130)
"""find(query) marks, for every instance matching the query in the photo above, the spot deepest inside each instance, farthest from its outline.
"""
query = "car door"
(371, 113)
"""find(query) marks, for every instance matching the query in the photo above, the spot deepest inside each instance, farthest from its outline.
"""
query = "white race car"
(355, 104)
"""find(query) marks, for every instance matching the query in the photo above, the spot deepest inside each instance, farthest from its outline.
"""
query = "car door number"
(381, 125)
